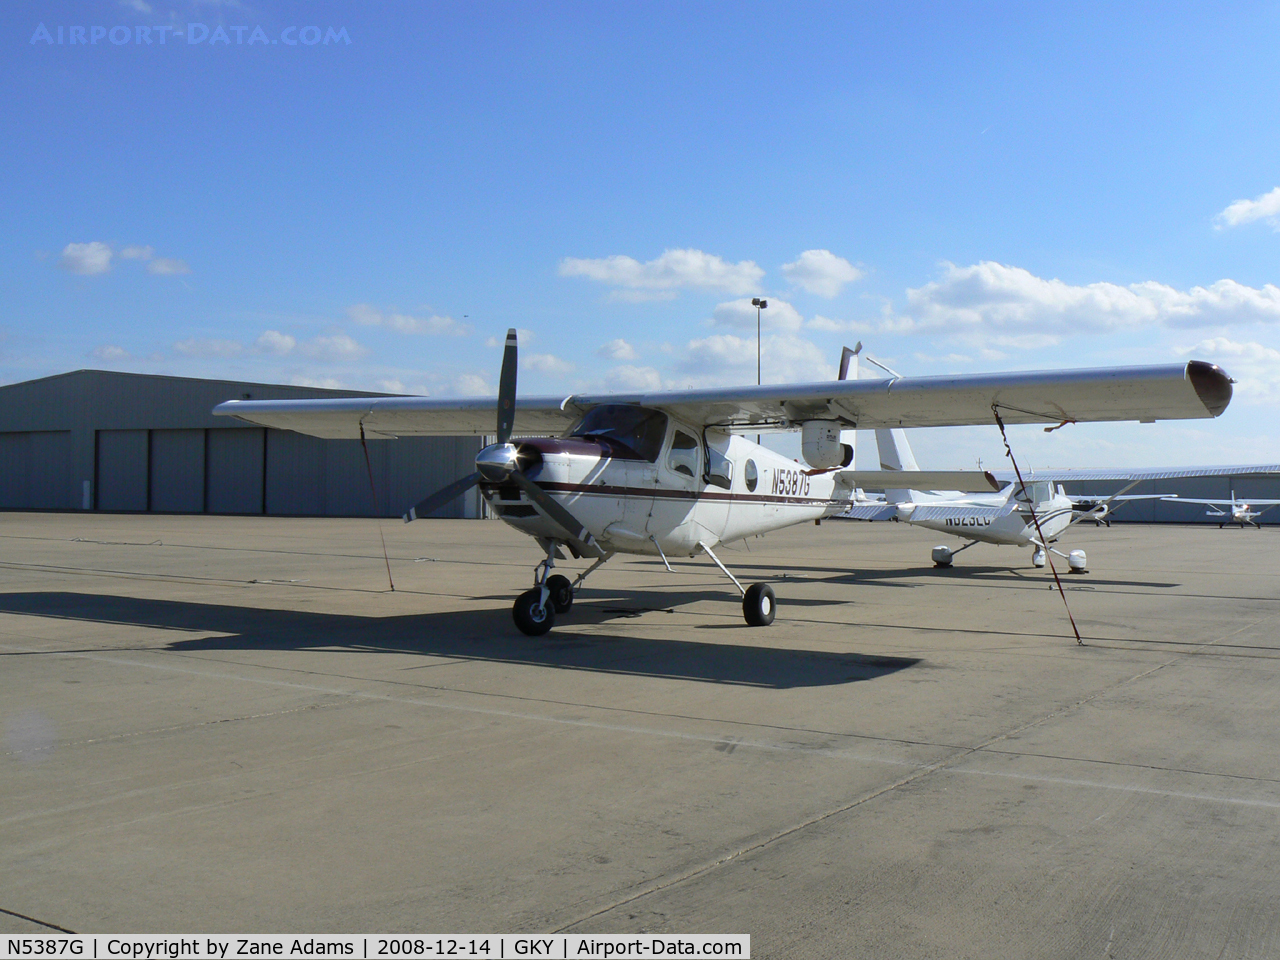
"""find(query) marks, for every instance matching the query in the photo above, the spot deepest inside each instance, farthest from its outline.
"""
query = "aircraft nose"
(498, 461)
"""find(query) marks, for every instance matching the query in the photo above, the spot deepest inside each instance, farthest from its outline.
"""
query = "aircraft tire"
(759, 605)
(531, 616)
(561, 593)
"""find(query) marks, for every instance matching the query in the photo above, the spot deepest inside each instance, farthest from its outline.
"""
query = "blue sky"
(965, 187)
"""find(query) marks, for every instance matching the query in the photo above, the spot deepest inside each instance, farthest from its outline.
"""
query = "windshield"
(1040, 491)
(633, 433)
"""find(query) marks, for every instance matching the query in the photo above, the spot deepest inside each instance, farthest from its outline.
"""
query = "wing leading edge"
(1171, 392)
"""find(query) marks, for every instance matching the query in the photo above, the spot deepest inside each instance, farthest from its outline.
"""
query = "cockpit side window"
(683, 458)
(631, 432)
(1035, 492)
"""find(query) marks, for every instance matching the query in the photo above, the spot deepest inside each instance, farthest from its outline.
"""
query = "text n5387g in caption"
(494, 946)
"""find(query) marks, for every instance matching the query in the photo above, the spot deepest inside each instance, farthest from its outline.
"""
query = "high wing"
(1159, 473)
(341, 419)
(1238, 502)
(1173, 392)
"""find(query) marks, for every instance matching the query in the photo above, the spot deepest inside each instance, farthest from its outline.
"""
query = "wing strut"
(995, 409)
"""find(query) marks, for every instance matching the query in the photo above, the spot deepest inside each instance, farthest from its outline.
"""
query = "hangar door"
(234, 466)
(37, 471)
(177, 471)
(122, 470)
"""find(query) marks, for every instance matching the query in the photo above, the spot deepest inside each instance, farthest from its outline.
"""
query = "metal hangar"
(99, 440)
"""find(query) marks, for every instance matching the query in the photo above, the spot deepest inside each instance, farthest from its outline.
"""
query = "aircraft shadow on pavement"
(986, 573)
(981, 574)
(486, 635)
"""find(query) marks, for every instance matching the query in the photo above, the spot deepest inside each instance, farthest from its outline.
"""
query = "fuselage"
(997, 518)
(666, 492)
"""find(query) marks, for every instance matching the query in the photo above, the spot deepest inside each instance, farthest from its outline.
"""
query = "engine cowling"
(821, 447)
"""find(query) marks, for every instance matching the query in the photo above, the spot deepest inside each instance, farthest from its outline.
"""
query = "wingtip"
(1212, 385)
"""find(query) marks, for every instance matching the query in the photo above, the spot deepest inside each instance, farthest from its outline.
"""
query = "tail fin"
(895, 451)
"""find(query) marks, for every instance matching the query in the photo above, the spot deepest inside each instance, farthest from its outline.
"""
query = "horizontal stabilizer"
(965, 481)
(959, 511)
(870, 511)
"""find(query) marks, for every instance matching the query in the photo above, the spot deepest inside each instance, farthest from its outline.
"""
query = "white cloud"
(523, 337)
(369, 316)
(337, 347)
(328, 383)
(821, 272)
(273, 341)
(827, 325)
(391, 385)
(728, 359)
(472, 385)
(137, 253)
(110, 352)
(617, 350)
(1255, 367)
(632, 379)
(674, 270)
(779, 315)
(951, 359)
(547, 363)
(86, 259)
(208, 348)
(1265, 207)
(165, 267)
(990, 297)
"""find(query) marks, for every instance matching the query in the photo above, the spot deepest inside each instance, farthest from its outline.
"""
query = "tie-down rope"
(374, 493)
(1044, 544)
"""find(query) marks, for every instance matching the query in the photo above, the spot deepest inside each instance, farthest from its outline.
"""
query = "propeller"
(500, 461)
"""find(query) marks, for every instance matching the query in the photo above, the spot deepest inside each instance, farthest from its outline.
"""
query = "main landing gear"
(1077, 562)
(535, 610)
(759, 603)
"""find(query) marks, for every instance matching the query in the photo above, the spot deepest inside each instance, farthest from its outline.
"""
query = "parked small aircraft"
(671, 473)
(1241, 512)
(1002, 517)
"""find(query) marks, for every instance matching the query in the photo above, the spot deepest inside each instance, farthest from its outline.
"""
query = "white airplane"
(1002, 516)
(1002, 512)
(671, 473)
(1241, 512)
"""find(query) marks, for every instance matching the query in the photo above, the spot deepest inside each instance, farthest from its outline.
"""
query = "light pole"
(759, 305)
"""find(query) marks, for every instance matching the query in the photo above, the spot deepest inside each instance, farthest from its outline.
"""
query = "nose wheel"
(535, 610)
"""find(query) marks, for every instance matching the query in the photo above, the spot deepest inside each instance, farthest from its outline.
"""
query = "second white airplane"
(985, 509)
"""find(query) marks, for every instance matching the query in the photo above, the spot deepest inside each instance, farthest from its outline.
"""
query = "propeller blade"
(441, 497)
(507, 389)
(553, 509)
